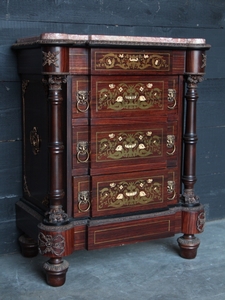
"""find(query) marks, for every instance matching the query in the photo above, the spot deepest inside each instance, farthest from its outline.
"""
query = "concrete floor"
(150, 270)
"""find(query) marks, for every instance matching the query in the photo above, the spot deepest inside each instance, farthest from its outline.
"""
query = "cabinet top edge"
(109, 40)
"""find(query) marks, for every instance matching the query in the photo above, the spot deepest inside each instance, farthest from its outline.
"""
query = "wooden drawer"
(127, 230)
(129, 96)
(118, 148)
(124, 193)
(133, 61)
(128, 192)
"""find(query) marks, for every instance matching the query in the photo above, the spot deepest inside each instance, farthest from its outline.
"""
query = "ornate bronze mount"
(171, 190)
(84, 200)
(35, 140)
(50, 58)
(56, 216)
(172, 98)
(82, 101)
(82, 152)
(171, 144)
(189, 198)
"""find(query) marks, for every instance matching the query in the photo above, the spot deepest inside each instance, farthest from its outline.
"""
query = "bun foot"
(188, 246)
(55, 270)
(28, 246)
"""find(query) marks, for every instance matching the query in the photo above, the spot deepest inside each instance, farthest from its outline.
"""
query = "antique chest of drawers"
(109, 143)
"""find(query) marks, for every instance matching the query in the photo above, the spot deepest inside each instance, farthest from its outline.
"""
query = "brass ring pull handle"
(171, 144)
(83, 199)
(172, 98)
(171, 190)
(82, 101)
(82, 152)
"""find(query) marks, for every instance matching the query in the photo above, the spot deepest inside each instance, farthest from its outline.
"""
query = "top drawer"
(133, 61)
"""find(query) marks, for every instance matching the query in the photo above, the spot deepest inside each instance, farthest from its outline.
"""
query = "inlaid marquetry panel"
(125, 96)
(121, 145)
(114, 194)
(133, 61)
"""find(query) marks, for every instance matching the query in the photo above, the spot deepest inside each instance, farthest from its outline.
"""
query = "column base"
(188, 246)
(55, 270)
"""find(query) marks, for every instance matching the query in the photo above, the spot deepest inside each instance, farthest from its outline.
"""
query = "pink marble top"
(63, 38)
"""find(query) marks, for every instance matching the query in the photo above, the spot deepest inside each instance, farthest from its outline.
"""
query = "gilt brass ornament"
(35, 140)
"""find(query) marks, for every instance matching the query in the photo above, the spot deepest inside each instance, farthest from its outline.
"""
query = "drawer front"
(121, 96)
(133, 61)
(121, 232)
(128, 192)
(122, 147)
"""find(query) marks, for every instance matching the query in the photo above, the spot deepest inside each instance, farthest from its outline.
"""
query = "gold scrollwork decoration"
(130, 193)
(82, 101)
(171, 190)
(170, 143)
(82, 152)
(84, 199)
(172, 98)
(132, 144)
(35, 140)
(127, 96)
(132, 61)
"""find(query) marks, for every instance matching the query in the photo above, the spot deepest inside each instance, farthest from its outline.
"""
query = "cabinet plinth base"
(28, 246)
(188, 246)
(55, 270)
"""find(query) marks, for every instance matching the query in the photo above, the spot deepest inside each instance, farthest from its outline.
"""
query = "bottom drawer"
(108, 233)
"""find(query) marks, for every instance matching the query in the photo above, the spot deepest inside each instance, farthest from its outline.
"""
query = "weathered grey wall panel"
(185, 18)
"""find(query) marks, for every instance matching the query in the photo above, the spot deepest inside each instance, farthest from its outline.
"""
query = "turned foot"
(28, 246)
(55, 270)
(188, 246)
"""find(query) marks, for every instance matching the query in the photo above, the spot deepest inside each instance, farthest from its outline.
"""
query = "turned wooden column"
(193, 213)
(56, 233)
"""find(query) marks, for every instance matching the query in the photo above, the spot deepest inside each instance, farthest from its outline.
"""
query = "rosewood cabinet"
(109, 143)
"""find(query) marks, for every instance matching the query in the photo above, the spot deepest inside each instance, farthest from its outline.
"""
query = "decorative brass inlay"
(172, 98)
(129, 193)
(82, 101)
(204, 58)
(52, 244)
(171, 190)
(50, 58)
(201, 221)
(134, 61)
(35, 140)
(82, 152)
(170, 143)
(129, 96)
(25, 186)
(133, 144)
(84, 199)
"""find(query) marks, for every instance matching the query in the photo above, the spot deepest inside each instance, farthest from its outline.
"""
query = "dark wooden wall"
(183, 18)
